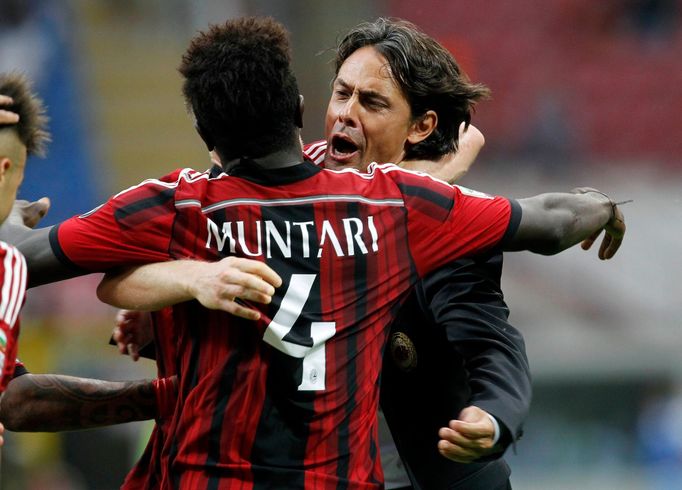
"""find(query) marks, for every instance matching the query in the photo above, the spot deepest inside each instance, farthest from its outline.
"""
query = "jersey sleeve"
(133, 227)
(464, 298)
(448, 222)
(12, 294)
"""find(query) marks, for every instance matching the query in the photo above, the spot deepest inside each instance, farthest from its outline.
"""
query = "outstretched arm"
(49, 403)
(43, 265)
(216, 285)
(554, 222)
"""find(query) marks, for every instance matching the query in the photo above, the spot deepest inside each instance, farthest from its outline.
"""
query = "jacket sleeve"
(465, 299)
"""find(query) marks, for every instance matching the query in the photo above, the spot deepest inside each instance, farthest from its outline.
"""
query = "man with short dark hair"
(432, 94)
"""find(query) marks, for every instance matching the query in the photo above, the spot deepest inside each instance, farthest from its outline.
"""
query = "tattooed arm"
(49, 403)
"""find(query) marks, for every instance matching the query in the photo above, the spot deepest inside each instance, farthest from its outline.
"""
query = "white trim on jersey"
(13, 284)
(392, 167)
(316, 151)
(290, 201)
(187, 174)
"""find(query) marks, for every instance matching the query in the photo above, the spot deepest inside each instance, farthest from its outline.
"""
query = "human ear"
(422, 127)
(5, 164)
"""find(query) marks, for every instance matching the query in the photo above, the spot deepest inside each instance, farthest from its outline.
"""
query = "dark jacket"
(460, 351)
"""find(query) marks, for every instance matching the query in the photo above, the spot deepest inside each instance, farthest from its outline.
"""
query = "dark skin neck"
(286, 157)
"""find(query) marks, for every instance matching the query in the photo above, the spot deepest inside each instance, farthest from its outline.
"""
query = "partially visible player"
(22, 133)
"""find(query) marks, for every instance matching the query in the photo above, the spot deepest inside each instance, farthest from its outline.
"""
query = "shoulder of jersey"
(315, 151)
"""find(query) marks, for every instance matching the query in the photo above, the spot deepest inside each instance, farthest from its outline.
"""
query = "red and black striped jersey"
(289, 401)
(147, 472)
(12, 296)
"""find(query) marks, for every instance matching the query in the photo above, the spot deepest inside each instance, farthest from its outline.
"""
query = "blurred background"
(584, 93)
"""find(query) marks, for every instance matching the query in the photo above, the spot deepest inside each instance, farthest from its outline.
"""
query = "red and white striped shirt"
(12, 295)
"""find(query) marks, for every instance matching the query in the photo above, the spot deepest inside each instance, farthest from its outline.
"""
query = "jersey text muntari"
(349, 237)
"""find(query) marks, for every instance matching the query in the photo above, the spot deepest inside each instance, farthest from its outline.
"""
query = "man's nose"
(348, 115)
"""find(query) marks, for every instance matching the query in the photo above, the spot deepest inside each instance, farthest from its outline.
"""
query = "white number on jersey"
(314, 359)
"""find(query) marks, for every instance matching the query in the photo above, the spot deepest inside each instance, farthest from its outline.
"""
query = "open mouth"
(342, 147)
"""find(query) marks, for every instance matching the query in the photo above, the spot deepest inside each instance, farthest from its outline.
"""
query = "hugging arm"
(50, 402)
(452, 166)
(554, 222)
(465, 299)
(43, 264)
(216, 285)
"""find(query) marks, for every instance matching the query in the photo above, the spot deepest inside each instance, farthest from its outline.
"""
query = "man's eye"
(341, 94)
(376, 104)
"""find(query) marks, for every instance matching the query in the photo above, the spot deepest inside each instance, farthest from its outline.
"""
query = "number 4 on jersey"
(314, 359)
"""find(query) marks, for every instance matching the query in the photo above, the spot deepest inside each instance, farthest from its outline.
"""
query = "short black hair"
(32, 125)
(427, 74)
(240, 86)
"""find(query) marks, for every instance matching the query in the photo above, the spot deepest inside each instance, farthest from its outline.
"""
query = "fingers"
(476, 430)
(257, 268)
(242, 311)
(471, 136)
(469, 437)
(7, 117)
(36, 211)
(460, 453)
(131, 332)
(609, 246)
(237, 284)
(456, 453)
(133, 351)
(121, 340)
(589, 241)
(457, 446)
(613, 237)
(125, 342)
(247, 279)
(227, 284)
(615, 232)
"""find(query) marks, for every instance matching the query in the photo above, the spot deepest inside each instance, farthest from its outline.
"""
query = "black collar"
(251, 171)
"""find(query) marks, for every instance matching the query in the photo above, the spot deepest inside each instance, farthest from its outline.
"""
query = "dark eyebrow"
(365, 94)
(341, 82)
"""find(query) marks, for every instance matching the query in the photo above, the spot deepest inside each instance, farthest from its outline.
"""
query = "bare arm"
(452, 166)
(554, 222)
(43, 265)
(49, 403)
(216, 285)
